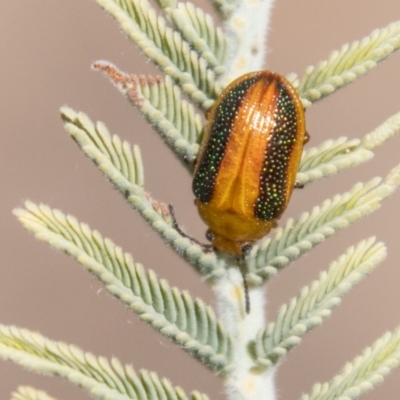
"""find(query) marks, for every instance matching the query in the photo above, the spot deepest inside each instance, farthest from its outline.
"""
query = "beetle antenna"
(242, 268)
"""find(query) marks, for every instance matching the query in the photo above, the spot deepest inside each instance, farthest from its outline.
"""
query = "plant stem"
(247, 29)
(244, 381)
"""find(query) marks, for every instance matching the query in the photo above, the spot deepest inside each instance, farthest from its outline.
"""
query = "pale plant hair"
(199, 59)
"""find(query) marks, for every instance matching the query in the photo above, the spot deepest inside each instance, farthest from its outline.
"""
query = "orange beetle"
(246, 168)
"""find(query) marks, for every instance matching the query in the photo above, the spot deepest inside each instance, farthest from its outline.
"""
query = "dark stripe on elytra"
(221, 128)
(273, 192)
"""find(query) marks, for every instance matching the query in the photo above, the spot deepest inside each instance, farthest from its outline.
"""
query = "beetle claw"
(246, 248)
(209, 235)
(307, 137)
(299, 185)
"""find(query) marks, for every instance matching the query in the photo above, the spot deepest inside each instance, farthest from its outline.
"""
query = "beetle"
(246, 168)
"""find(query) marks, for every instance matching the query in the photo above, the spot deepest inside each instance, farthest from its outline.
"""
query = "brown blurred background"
(46, 50)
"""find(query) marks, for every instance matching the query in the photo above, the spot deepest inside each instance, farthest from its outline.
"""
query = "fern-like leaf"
(161, 103)
(126, 160)
(85, 133)
(315, 302)
(382, 133)
(225, 7)
(198, 28)
(312, 228)
(333, 156)
(30, 393)
(364, 373)
(348, 64)
(165, 47)
(187, 322)
(103, 379)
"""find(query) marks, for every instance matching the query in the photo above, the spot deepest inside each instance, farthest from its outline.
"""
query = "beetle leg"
(246, 249)
(306, 137)
(298, 185)
(187, 161)
(206, 247)
(207, 113)
(209, 235)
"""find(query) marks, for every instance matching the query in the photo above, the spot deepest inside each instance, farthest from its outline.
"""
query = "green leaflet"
(160, 102)
(103, 379)
(198, 28)
(165, 47)
(362, 374)
(82, 130)
(125, 158)
(332, 156)
(30, 393)
(312, 228)
(187, 322)
(348, 64)
(316, 301)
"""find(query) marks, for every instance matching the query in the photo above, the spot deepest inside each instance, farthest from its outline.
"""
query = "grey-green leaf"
(362, 374)
(165, 47)
(30, 393)
(312, 228)
(349, 63)
(332, 156)
(103, 379)
(187, 322)
(316, 301)
(85, 133)
(160, 102)
(198, 28)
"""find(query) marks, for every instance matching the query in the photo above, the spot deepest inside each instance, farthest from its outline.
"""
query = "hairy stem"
(247, 29)
(244, 381)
